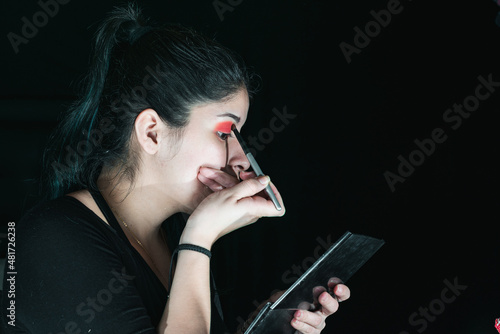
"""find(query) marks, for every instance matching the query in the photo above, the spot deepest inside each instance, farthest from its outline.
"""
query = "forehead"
(235, 108)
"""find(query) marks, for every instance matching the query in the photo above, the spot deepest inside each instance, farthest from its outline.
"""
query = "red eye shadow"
(224, 127)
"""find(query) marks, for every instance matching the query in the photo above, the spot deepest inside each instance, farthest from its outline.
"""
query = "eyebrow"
(228, 114)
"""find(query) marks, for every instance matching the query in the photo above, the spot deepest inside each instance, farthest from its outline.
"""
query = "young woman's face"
(206, 142)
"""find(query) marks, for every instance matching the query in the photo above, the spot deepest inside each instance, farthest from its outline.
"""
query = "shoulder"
(69, 266)
(60, 213)
(62, 224)
(56, 239)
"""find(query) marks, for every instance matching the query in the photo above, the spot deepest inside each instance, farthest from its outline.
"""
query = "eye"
(222, 135)
(223, 130)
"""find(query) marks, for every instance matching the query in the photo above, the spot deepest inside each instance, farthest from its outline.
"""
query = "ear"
(148, 128)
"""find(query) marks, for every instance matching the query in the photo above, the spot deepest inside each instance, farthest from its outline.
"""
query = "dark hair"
(135, 66)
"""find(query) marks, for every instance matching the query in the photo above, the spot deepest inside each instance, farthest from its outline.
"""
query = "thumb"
(246, 175)
(247, 192)
(251, 186)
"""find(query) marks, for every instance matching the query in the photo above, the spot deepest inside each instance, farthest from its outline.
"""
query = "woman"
(143, 149)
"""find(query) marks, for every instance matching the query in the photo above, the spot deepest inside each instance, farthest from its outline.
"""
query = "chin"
(200, 192)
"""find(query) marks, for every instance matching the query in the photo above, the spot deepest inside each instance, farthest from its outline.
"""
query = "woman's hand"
(323, 306)
(232, 205)
(310, 318)
(217, 179)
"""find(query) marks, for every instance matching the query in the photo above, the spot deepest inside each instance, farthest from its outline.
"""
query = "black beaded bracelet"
(185, 247)
(194, 248)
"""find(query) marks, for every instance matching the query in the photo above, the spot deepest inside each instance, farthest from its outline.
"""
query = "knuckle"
(320, 323)
(331, 306)
(334, 306)
(253, 185)
(302, 328)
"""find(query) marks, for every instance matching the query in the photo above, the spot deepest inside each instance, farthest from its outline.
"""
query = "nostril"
(237, 170)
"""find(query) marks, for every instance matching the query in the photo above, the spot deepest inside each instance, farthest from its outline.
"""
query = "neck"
(142, 206)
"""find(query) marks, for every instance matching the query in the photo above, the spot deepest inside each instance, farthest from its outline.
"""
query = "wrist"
(196, 237)
(194, 248)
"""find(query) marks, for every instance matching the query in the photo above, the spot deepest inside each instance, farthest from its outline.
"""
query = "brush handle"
(255, 166)
(258, 172)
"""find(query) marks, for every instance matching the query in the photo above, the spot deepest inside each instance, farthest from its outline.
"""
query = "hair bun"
(138, 33)
(127, 22)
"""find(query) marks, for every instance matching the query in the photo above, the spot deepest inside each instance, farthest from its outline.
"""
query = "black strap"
(108, 213)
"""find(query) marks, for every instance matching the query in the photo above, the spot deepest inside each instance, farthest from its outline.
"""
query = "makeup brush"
(255, 166)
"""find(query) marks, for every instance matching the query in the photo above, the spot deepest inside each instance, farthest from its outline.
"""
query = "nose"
(236, 158)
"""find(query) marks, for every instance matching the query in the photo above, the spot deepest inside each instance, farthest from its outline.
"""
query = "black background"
(352, 121)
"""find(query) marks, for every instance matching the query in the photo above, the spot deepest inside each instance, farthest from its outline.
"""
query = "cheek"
(208, 151)
(214, 153)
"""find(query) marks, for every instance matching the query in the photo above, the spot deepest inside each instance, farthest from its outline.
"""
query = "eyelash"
(223, 136)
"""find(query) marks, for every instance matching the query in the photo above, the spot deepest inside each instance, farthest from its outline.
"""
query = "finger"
(336, 287)
(314, 320)
(334, 281)
(329, 304)
(317, 290)
(302, 327)
(250, 187)
(305, 306)
(213, 185)
(264, 193)
(277, 194)
(305, 328)
(222, 178)
(247, 175)
(342, 292)
(245, 192)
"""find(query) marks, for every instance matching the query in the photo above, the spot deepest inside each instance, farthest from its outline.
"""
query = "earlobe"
(147, 129)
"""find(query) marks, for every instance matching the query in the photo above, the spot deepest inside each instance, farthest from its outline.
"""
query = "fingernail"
(297, 314)
(264, 179)
(335, 280)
